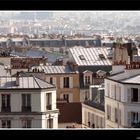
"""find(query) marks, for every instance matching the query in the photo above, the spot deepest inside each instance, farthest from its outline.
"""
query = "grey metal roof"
(134, 80)
(24, 82)
(91, 56)
(54, 69)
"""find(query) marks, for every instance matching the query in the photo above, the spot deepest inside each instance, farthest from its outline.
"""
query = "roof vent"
(82, 57)
(101, 56)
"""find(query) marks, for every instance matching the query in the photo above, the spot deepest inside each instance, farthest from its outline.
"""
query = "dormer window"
(87, 76)
(87, 80)
(101, 74)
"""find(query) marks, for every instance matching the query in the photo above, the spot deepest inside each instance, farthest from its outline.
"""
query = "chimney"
(75, 67)
(17, 79)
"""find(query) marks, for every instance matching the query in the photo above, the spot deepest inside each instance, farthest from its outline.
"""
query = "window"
(108, 90)
(87, 80)
(48, 101)
(66, 97)
(134, 118)
(6, 123)
(115, 89)
(119, 93)
(108, 112)
(6, 102)
(50, 123)
(51, 80)
(116, 115)
(88, 119)
(26, 123)
(66, 82)
(134, 95)
(26, 102)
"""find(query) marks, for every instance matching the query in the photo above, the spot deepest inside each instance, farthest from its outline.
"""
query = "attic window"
(101, 56)
(82, 57)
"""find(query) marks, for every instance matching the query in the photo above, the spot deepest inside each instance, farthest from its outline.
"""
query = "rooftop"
(49, 69)
(90, 56)
(7, 82)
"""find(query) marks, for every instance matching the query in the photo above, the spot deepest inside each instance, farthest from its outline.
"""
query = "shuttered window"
(129, 95)
(129, 119)
(108, 112)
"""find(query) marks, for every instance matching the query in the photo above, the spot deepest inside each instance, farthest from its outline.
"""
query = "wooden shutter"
(119, 93)
(54, 81)
(112, 92)
(139, 117)
(71, 82)
(138, 95)
(86, 117)
(48, 79)
(107, 90)
(113, 114)
(129, 95)
(61, 82)
(70, 97)
(129, 119)
(119, 119)
(92, 120)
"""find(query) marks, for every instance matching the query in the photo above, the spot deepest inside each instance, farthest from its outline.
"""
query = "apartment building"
(27, 102)
(93, 112)
(93, 64)
(64, 78)
(122, 96)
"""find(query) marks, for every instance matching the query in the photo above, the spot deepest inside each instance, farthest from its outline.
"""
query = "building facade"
(93, 114)
(122, 97)
(27, 102)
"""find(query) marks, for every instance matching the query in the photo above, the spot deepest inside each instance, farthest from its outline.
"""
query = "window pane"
(3, 101)
(23, 100)
(28, 100)
(28, 123)
(8, 100)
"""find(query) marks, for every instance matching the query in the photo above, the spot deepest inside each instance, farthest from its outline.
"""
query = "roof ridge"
(42, 80)
(36, 81)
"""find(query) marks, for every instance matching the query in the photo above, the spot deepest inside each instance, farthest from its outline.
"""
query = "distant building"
(27, 102)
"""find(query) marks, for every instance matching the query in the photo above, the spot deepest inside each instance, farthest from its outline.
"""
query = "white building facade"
(29, 104)
(122, 98)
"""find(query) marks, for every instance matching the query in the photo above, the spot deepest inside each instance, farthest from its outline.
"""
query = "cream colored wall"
(97, 112)
(73, 90)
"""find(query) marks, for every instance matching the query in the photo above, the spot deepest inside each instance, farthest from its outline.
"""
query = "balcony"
(6, 109)
(26, 108)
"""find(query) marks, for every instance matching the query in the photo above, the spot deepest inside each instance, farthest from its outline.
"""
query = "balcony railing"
(26, 108)
(6, 109)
